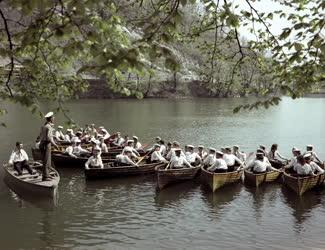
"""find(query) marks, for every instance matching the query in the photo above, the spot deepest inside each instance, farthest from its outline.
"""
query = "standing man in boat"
(19, 159)
(46, 142)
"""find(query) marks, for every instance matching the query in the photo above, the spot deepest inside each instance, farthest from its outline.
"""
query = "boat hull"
(218, 180)
(302, 184)
(172, 176)
(257, 179)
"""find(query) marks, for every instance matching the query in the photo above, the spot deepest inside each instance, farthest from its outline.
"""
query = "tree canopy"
(49, 46)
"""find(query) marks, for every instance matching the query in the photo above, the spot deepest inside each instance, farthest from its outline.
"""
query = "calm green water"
(128, 213)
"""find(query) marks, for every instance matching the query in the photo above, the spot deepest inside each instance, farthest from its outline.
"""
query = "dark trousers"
(21, 165)
(45, 148)
(220, 170)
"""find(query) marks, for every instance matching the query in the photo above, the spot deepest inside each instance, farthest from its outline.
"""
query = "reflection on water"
(129, 213)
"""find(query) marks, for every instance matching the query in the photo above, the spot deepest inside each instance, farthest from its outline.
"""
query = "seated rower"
(220, 165)
(124, 159)
(156, 155)
(210, 159)
(260, 166)
(136, 143)
(69, 151)
(69, 135)
(262, 147)
(130, 147)
(231, 160)
(201, 152)
(293, 161)
(162, 147)
(303, 168)
(95, 161)
(168, 148)
(314, 166)
(276, 159)
(78, 150)
(58, 134)
(240, 155)
(76, 137)
(179, 161)
(19, 159)
(171, 152)
(104, 133)
(102, 145)
(192, 157)
(118, 140)
(314, 156)
(152, 148)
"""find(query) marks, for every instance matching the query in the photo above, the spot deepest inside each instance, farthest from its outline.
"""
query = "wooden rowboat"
(302, 184)
(110, 170)
(166, 177)
(64, 160)
(217, 180)
(257, 179)
(32, 184)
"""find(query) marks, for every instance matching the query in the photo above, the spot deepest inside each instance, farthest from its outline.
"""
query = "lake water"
(128, 213)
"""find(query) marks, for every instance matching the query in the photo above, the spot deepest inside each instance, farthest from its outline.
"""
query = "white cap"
(101, 127)
(212, 149)
(190, 146)
(307, 155)
(200, 146)
(60, 127)
(158, 138)
(135, 137)
(99, 136)
(156, 145)
(219, 152)
(236, 146)
(177, 149)
(104, 130)
(176, 143)
(129, 141)
(69, 130)
(49, 114)
(309, 146)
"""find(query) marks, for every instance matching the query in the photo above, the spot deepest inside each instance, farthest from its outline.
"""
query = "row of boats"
(165, 176)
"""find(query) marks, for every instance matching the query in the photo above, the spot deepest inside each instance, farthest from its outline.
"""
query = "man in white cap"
(220, 166)
(104, 133)
(124, 159)
(314, 156)
(46, 143)
(259, 166)
(303, 168)
(192, 157)
(179, 161)
(293, 161)
(231, 160)
(240, 155)
(78, 150)
(314, 166)
(118, 140)
(59, 136)
(102, 144)
(130, 147)
(137, 144)
(171, 153)
(95, 161)
(156, 155)
(152, 148)
(211, 158)
(201, 152)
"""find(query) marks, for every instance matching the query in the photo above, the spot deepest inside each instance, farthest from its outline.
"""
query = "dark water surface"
(128, 213)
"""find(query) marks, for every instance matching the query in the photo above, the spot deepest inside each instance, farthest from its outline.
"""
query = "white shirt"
(156, 156)
(171, 154)
(138, 145)
(121, 158)
(77, 150)
(69, 151)
(18, 156)
(276, 156)
(304, 170)
(74, 139)
(210, 160)
(94, 161)
(191, 157)
(231, 159)
(58, 134)
(260, 166)
(219, 164)
(162, 149)
(132, 149)
(203, 154)
(103, 147)
(314, 166)
(179, 162)
(240, 155)
(292, 163)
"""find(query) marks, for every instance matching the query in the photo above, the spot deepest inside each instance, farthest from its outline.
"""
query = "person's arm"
(185, 162)
(25, 155)
(238, 160)
(316, 157)
(198, 158)
(318, 168)
(161, 158)
(101, 165)
(12, 157)
(244, 156)
(128, 160)
(277, 154)
(136, 152)
(213, 167)
(88, 162)
(69, 150)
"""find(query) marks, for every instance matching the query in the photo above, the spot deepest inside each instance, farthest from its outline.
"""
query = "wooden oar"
(167, 165)
(141, 158)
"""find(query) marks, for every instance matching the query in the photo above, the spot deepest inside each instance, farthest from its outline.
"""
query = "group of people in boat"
(306, 164)
(92, 142)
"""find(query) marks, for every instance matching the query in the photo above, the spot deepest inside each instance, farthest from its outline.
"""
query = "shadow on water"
(265, 192)
(222, 197)
(174, 195)
(302, 206)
